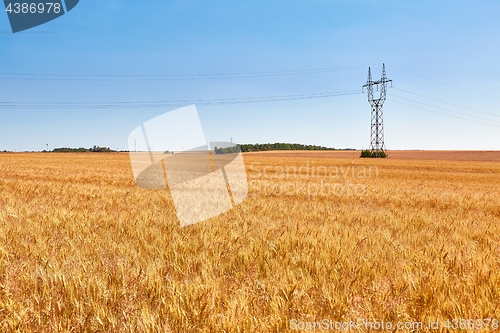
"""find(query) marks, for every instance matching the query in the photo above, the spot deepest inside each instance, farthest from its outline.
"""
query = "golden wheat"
(83, 249)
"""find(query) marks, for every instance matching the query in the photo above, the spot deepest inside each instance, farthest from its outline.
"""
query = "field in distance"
(443, 155)
(322, 235)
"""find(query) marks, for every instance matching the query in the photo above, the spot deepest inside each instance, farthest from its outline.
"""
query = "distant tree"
(229, 150)
(95, 149)
(98, 149)
(70, 150)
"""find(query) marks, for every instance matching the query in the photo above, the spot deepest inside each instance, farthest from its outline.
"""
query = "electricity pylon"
(377, 145)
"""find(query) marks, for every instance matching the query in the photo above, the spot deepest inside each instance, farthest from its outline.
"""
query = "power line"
(456, 105)
(474, 121)
(451, 85)
(446, 91)
(155, 104)
(489, 122)
(166, 77)
(437, 107)
(225, 101)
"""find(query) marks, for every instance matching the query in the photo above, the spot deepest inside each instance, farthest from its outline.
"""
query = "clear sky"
(442, 56)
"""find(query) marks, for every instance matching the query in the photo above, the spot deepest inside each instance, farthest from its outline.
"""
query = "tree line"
(267, 147)
(95, 149)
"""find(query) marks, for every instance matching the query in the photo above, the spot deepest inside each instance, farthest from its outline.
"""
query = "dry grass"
(82, 249)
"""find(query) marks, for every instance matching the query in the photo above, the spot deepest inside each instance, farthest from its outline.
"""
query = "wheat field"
(83, 249)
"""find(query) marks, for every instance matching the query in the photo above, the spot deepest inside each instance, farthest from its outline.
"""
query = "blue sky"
(442, 56)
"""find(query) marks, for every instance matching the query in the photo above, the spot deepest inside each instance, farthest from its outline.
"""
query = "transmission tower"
(377, 145)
